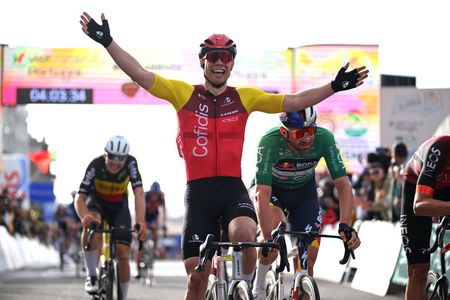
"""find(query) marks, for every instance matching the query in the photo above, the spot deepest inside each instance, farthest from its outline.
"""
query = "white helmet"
(117, 145)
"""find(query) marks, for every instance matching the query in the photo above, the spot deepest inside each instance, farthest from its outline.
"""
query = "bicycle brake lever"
(347, 254)
(204, 252)
(89, 238)
(284, 262)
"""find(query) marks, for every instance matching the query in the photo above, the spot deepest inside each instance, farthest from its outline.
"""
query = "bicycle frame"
(108, 266)
(300, 273)
(108, 248)
(219, 287)
(220, 284)
(145, 267)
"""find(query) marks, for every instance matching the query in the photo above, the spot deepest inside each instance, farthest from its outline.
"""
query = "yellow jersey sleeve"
(175, 91)
(255, 99)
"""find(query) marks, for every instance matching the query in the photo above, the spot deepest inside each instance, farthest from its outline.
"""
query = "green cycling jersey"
(279, 165)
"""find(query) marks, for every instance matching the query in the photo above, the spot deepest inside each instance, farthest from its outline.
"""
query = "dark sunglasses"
(375, 172)
(120, 158)
(300, 133)
(214, 56)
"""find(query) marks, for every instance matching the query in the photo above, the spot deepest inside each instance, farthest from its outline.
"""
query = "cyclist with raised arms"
(426, 194)
(212, 118)
(285, 185)
(103, 194)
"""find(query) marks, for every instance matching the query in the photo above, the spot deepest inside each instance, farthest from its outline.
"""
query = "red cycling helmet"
(217, 42)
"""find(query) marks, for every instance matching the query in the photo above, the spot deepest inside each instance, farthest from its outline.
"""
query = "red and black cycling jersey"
(212, 127)
(110, 187)
(153, 200)
(429, 168)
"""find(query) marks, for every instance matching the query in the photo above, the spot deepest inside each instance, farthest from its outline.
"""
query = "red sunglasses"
(214, 56)
(300, 133)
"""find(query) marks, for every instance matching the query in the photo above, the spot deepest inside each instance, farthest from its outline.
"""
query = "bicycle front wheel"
(436, 292)
(111, 277)
(112, 288)
(241, 291)
(118, 289)
(305, 285)
(148, 260)
(211, 293)
(271, 286)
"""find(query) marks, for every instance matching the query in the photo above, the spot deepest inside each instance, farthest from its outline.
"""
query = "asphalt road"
(170, 283)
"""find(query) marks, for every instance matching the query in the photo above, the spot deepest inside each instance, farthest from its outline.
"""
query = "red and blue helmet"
(299, 119)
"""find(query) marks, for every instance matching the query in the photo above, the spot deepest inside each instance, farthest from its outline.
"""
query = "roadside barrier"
(18, 252)
(380, 260)
(379, 257)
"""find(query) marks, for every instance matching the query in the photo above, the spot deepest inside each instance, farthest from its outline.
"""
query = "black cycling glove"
(347, 230)
(345, 80)
(100, 34)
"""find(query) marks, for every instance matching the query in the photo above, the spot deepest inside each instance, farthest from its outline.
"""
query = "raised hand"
(349, 80)
(99, 33)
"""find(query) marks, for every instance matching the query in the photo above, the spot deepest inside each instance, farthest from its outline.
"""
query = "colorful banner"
(90, 76)
(1, 109)
(86, 76)
(1, 81)
(16, 176)
(353, 116)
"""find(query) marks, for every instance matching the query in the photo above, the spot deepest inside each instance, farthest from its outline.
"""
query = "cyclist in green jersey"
(286, 186)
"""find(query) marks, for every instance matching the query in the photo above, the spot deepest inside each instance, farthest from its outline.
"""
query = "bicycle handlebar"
(98, 228)
(440, 233)
(304, 235)
(208, 248)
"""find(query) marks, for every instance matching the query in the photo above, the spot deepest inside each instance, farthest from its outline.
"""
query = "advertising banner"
(353, 115)
(41, 193)
(90, 76)
(16, 176)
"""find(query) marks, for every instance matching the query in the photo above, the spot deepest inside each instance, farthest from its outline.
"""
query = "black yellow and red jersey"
(211, 128)
(110, 187)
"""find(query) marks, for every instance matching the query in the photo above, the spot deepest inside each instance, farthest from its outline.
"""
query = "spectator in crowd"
(22, 222)
(361, 190)
(372, 187)
(328, 200)
(2, 215)
(400, 154)
(378, 196)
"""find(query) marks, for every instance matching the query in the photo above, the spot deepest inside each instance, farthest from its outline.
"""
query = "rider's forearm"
(346, 203)
(131, 66)
(139, 204)
(80, 206)
(262, 200)
(427, 206)
(306, 98)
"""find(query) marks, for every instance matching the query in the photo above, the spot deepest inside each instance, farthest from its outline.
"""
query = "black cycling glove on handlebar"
(345, 80)
(100, 34)
(347, 230)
